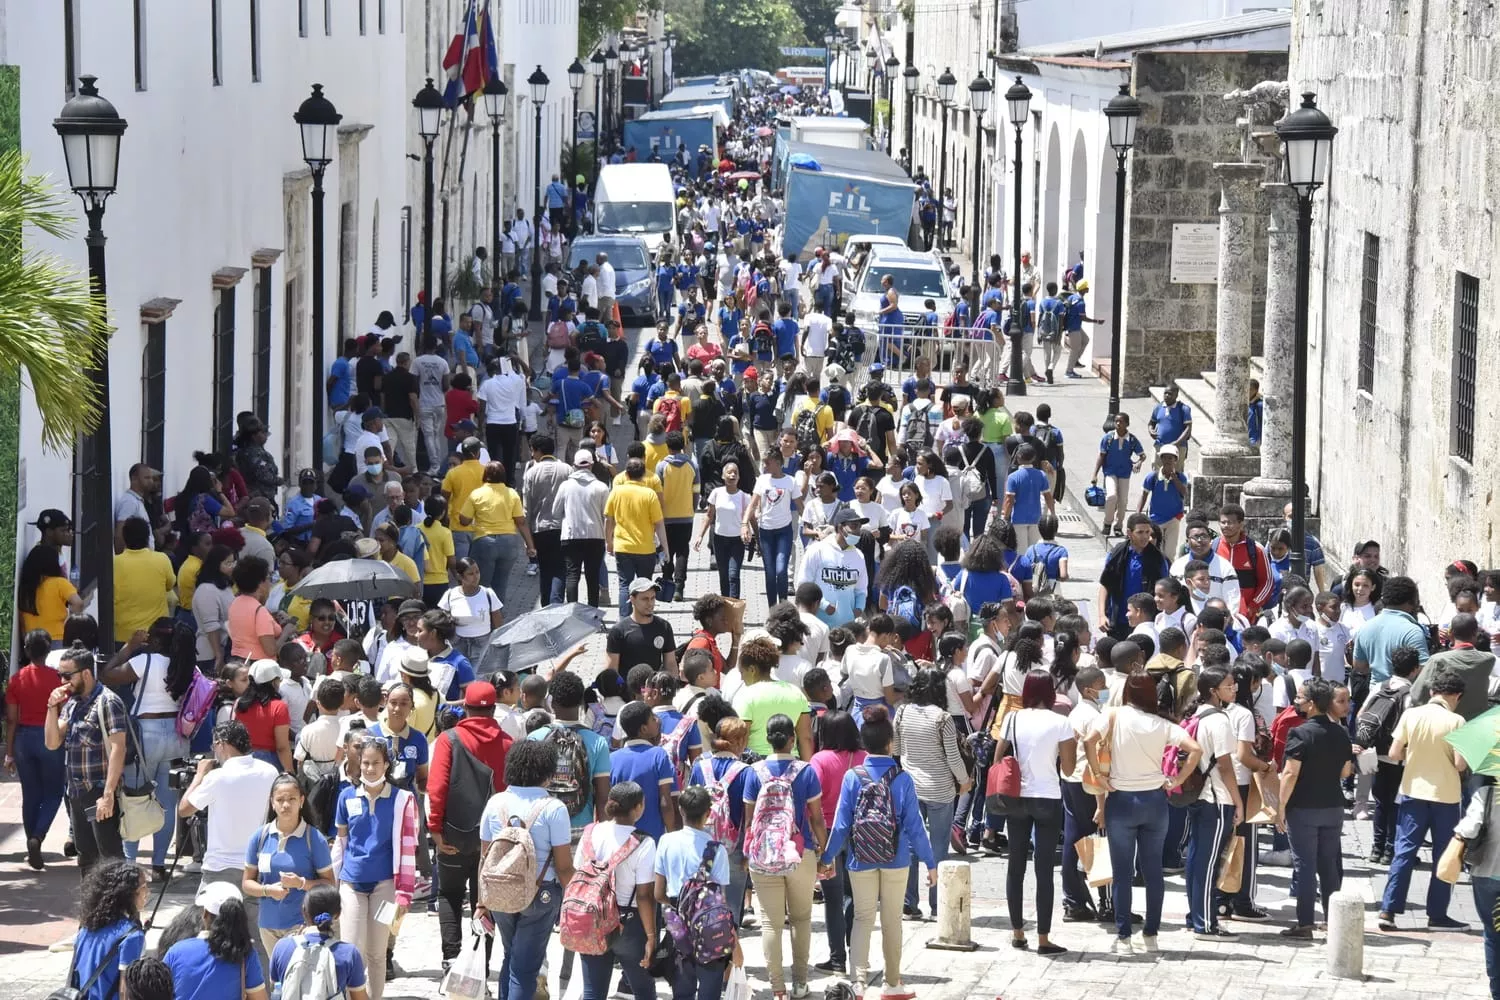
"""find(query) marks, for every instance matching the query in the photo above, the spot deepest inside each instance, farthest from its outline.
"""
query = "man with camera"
(89, 720)
(235, 790)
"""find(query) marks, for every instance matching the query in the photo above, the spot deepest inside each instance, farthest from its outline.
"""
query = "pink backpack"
(721, 825)
(197, 704)
(774, 844)
(590, 910)
(675, 744)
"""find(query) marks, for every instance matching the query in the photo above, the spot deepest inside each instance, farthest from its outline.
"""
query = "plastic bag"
(466, 976)
(738, 987)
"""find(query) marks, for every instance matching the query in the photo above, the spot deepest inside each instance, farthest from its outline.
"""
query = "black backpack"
(1376, 723)
(471, 782)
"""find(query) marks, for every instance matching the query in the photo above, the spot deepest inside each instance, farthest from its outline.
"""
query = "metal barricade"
(943, 350)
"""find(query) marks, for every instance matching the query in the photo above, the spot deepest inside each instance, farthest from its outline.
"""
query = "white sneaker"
(1277, 859)
(531, 569)
(1361, 813)
(1146, 945)
(1121, 948)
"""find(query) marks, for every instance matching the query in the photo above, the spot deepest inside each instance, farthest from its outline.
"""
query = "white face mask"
(371, 784)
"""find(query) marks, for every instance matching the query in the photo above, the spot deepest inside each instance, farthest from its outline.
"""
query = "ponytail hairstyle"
(178, 643)
(781, 732)
(624, 799)
(730, 732)
(436, 509)
(229, 933)
(320, 908)
(304, 813)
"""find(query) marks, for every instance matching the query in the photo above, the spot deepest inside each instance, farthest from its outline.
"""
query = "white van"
(637, 199)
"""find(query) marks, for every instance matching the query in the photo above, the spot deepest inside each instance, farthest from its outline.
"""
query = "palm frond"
(52, 325)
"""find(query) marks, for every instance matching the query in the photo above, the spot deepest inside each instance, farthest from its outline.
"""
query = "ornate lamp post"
(611, 67)
(892, 66)
(596, 70)
(947, 83)
(576, 74)
(317, 121)
(912, 78)
(1018, 104)
(429, 105)
(494, 104)
(1123, 112)
(980, 92)
(537, 81)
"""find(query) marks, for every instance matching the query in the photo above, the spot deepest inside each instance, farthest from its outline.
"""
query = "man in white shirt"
(815, 646)
(523, 236)
(1200, 542)
(816, 331)
(791, 274)
(503, 396)
(606, 281)
(483, 315)
(588, 288)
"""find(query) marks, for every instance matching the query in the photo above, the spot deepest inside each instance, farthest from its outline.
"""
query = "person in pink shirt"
(703, 350)
(841, 752)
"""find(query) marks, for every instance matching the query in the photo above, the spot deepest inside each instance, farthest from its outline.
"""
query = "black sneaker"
(1215, 934)
(1049, 377)
(1303, 932)
(1388, 858)
(1446, 924)
(34, 853)
(1249, 911)
(1079, 915)
(911, 912)
(1375, 856)
(830, 966)
(70, 849)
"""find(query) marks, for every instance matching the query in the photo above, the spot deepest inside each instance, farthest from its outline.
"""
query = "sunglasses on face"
(68, 675)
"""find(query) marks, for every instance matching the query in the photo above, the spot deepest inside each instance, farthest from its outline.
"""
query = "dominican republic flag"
(471, 62)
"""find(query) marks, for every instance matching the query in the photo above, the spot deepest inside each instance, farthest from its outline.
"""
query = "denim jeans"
(729, 553)
(1036, 826)
(939, 817)
(463, 542)
(630, 566)
(159, 745)
(1486, 892)
(1315, 834)
(838, 911)
(629, 946)
(42, 779)
(524, 936)
(509, 552)
(1176, 839)
(776, 551)
(486, 555)
(739, 881)
(1078, 822)
(1209, 828)
(698, 982)
(1415, 819)
(975, 516)
(1383, 792)
(1136, 824)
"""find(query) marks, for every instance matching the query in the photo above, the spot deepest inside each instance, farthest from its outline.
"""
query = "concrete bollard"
(954, 909)
(1346, 936)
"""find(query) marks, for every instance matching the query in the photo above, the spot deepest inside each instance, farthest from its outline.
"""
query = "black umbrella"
(539, 636)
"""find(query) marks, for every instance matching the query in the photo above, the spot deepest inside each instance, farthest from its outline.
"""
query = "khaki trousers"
(883, 889)
(1116, 500)
(783, 897)
(359, 927)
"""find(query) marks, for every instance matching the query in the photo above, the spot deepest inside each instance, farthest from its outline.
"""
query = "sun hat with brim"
(415, 662)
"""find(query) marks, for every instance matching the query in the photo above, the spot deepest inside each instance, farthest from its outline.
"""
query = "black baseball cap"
(52, 518)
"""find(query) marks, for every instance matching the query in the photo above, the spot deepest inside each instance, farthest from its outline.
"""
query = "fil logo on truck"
(848, 200)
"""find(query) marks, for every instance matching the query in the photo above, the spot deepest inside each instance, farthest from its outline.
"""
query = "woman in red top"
(26, 753)
(460, 403)
(265, 716)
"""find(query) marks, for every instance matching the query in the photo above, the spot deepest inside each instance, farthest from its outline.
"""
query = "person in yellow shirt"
(144, 581)
(495, 515)
(680, 487)
(633, 528)
(439, 568)
(675, 409)
(637, 449)
(44, 593)
(656, 442)
(388, 549)
(187, 573)
(822, 413)
(460, 481)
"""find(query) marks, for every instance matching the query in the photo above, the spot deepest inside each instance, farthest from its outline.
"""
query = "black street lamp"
(980, 92)
(912, 78)
(1018, 102)
(1307, 137)
(576, 74)
(829, 41)
(650, 59)
(947, 83)
(612, 67)
(318, 122)
(537, 81)
(892, 65)
(90, 129)
(871, 56)
(1123, 112)
(494, 103)
(429, 105)
(596, 70)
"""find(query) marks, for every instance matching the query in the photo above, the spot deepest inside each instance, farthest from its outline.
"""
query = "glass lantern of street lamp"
(538, 81)
(892, 67)
(429, 105)
(90, 129)
(627, 54)
(611, 59)
(494, 101)
(318, 122)
(980, 91)
(830, 39)
(1307, 135)
(913, 78)
(870, 56)
(576, 73)
(946, 84)
(1018, 99)
(1123, 112)
(596, 65)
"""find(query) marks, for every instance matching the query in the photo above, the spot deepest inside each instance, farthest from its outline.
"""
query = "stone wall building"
(1403, 310)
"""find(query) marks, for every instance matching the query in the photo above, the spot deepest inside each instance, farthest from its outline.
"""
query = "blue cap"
(877, 368)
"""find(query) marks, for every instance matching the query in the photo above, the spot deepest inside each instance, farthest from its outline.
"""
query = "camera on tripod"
(184, 769)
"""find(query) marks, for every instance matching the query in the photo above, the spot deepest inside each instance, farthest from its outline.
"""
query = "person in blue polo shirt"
(320, 909)
(1075, 315)
(1026, 492)
(209, 966)
(786, 330)
(283, 860)
(1171, 422)
(1120, 457)
(666, 276)
(1166, 489)
(565, 693)
(641, 761)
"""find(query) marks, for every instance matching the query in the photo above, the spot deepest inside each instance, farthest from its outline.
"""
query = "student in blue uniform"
(319, 911)
(212, 965)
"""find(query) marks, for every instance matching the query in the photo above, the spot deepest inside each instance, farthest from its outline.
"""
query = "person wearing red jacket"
(458, 870)
(1251, 562)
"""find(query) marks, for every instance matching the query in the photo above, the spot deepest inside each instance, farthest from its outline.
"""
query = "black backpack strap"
(104, 963)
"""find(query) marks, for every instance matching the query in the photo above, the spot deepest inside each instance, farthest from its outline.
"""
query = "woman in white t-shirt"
(1219, 809)
(909, 522)
(1136, 806)
(475, 609)
(726, 506)
(635, 893)
(937, 494)
(1250, 735)
(773, 503)
(888, 489)
(1038, 738)
(818, 508)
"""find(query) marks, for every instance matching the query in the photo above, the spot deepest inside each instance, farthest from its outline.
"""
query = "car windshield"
(635, 216)
(920, 283)
(624, 256)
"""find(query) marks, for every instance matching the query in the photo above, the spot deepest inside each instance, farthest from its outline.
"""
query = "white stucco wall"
(1039, 24)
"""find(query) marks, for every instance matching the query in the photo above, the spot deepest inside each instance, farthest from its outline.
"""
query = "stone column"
(1228, 459)
(1268, 493)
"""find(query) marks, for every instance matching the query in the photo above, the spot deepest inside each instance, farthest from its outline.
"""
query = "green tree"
(51, 323)
(715, 36)
(597, 18)
(817, 18)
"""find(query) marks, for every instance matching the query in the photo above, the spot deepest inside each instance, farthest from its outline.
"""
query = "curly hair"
(986, 554)
(787, 629)
(1004, 533)
(705, 607)
(108, 894)
(761, 655)
(905, 565)
(929, 687)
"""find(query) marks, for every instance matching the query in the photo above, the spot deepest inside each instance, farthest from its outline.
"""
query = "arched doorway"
(1100, 270)
(1078, 170)
(1051, 193)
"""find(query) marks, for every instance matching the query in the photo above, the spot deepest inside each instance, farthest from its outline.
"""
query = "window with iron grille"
(154, 396)
(1369, 296)
(1465, 366)
(261, 395)
(224, 371)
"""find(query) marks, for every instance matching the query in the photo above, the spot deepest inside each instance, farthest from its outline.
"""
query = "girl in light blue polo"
(529, 765)
(283, 860)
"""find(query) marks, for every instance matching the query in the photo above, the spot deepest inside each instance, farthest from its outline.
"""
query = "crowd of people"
(919, 687)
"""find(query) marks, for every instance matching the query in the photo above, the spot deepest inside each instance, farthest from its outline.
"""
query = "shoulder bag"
(140, 814)
(1003, 787)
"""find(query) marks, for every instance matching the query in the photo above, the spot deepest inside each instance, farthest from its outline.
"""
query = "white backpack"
(507, 874)
(312, 973)
(971, 485)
